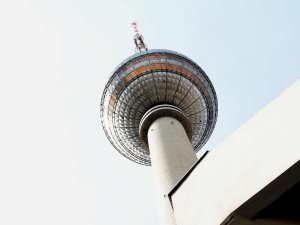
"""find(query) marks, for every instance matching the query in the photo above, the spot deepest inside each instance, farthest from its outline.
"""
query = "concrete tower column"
(172, 156)
(165, 131)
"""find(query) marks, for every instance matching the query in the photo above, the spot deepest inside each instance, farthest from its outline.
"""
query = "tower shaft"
(172, 156)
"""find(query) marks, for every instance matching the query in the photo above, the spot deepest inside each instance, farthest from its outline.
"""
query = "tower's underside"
(149, 79)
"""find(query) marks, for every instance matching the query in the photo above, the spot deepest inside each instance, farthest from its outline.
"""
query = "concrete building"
(252, 177)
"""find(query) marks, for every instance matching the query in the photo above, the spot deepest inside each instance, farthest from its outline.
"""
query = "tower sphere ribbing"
(149, 79)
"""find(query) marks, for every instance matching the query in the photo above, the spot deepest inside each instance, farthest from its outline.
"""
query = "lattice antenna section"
(138, 38)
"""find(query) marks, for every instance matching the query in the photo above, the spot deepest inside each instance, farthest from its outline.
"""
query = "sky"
(56, 165)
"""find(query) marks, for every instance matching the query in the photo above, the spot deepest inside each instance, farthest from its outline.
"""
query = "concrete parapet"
(241, 166)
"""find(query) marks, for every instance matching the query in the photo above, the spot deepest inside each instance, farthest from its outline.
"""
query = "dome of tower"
(152, 78)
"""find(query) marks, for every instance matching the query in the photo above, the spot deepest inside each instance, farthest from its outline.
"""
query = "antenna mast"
(138, 39)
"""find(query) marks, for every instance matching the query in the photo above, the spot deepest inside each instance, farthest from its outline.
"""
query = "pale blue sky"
(56, 165)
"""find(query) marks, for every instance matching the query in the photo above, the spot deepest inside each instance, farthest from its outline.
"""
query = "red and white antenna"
(138, 39)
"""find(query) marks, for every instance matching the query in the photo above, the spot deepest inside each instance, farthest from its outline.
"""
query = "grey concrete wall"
(244, 163)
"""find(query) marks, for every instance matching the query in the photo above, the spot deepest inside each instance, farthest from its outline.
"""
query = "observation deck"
(152, 78)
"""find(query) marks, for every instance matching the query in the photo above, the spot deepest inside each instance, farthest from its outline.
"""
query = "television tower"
(159, 108)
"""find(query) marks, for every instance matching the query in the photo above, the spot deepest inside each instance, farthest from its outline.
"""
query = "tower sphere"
(148, 79)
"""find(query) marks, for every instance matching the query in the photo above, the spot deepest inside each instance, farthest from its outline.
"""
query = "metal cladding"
(148, 79)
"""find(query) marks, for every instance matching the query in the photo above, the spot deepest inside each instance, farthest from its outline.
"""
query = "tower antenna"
(138, 39)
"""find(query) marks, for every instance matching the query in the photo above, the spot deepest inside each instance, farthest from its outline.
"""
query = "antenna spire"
(138, 38)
